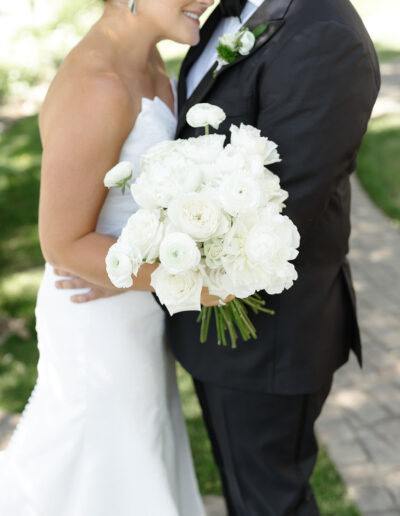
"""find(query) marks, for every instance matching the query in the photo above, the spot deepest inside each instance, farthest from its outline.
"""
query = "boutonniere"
(231, 45)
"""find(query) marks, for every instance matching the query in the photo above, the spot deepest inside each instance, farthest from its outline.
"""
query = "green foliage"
(329, 489)
(4, 84)
(227, 54)
(379, 164)
(20, 158)
(259, 30)
(386, 53)
(35, 51)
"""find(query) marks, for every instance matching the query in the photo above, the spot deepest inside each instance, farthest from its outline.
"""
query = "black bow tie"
(231, 7)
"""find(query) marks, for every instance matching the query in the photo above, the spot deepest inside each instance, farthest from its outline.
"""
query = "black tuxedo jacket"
(309, 84)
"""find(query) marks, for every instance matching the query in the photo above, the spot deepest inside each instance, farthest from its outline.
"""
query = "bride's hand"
(71, 282)
(208, 300)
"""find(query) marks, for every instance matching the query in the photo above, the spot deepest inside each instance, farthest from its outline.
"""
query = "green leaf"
(260, 29)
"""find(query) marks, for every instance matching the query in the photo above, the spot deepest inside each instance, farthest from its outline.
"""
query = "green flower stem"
(243, 312)
(257, 304)
(223, 328)
(229, 323)
(199, 317)
(231, 317)
(205, 322)
(218, 325)
(207, 130)
(242, 325)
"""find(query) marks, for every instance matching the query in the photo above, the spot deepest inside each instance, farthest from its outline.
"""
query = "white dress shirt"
(208, 57)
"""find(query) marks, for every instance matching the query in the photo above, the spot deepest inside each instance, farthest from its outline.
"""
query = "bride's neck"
(132, 41)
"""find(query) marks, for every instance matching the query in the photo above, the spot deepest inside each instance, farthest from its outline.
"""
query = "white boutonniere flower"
(230, 46)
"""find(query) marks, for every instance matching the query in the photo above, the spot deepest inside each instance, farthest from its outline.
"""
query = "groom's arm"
(315, 102)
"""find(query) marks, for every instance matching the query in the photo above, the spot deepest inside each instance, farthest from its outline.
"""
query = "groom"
(309, 84)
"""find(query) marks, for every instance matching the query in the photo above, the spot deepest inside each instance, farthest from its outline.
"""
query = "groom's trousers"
(265, 448)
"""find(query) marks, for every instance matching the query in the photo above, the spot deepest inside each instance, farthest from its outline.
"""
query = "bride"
(103, 433)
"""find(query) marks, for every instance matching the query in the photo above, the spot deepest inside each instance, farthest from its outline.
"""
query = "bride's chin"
(187, 38)
(193, 42)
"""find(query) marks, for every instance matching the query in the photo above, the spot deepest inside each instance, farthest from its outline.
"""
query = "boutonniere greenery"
(232, 45)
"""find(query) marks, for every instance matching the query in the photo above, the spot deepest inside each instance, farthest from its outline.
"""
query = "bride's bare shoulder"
(86, 88)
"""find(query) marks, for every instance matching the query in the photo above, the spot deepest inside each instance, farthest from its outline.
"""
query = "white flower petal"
(204, 114)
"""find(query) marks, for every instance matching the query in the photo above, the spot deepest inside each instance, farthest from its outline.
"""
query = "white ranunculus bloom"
(226, 161)
(164, 180)
(273, 240)
(257, 250)
(145, 230)
(272, 192)
(229, 40)
(240, 192)
(120, 266)
(246, 42)
(157, 153)
(213, 252)
(245, 275)
(272, 155)
(119, 174)
(203, 150)
(165, 172)
(203, 114)
(248, 139)
(224, 226)
(196, 215)
(217, 282)
(179, 253)
(178, 292)
(281, 279)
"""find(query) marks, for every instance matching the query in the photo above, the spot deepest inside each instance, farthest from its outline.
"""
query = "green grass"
(20, 158)
(379, 164)
(386, 53)
(20, 266)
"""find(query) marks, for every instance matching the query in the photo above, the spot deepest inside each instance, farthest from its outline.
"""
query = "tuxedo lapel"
(271, 12)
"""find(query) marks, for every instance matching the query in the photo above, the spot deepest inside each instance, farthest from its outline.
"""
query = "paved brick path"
(389, 97)
(360, 423)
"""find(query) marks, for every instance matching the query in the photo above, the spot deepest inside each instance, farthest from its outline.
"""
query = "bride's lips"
(193, 16)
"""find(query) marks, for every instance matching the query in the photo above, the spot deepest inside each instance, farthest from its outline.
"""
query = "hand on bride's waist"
(73, 282)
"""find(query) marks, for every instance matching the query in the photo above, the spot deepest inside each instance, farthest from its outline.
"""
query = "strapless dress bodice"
(154, 124)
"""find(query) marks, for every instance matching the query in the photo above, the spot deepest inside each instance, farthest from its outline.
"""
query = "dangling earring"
(133, 6)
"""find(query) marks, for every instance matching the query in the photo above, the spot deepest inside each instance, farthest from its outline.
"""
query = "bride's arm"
(82, 133)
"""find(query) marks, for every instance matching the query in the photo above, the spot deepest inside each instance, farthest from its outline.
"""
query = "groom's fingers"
(93, 294)
(72, 283)
(61, 272)
(89, 296)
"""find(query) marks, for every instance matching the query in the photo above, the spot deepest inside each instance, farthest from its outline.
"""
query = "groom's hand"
(208, 300)
(71, 282)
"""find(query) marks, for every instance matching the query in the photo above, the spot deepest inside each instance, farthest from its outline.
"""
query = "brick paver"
(389, 97)
(360, 423)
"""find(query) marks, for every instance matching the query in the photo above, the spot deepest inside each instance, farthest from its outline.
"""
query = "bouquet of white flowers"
(210, 215)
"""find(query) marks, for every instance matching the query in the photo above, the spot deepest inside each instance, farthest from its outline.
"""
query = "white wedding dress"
(103, 432)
